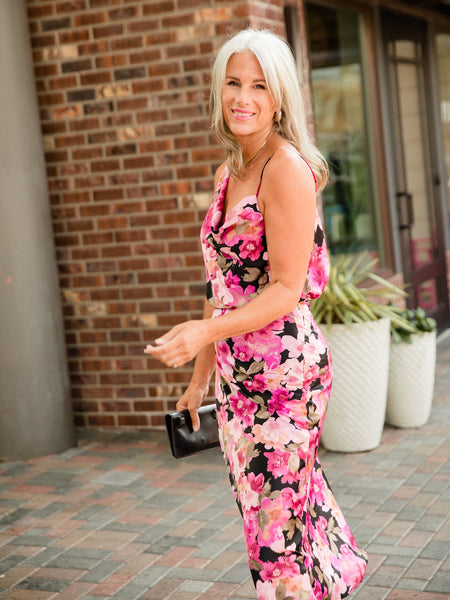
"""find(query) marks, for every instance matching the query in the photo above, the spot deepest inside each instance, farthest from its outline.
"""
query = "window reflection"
(340, 117)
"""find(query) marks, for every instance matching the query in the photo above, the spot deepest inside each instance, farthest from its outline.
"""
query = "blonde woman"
(265, 259)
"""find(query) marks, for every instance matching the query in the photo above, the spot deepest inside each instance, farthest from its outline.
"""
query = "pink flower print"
(318, 591)
(284, 465)
(318, 489)
(271, 519)
(256, 482)
(318, 277)
(226, 362)
(230, 237)
(244, 408)
(265, 346)
(293, 345)
(252, 488)
(277, 461)
(321, 525)
(231, 280)
(265, 591)
(242, 351)
(298, 412)
(352, 571)
(279, 402)
(252, 545)
(274, 433)
(296, 500)
(250, 248)
(257, 384)
(284, 568)
(311, 375)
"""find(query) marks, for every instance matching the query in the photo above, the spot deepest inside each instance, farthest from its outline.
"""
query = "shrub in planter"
(411, 370)
(356, 327)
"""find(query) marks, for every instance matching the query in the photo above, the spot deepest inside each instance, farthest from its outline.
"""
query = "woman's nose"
(242, 96)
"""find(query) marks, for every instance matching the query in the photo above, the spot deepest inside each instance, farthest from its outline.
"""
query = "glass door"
(416, 176)
(341, 117)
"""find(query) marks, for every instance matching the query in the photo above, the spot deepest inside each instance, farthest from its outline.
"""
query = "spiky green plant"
(345, 300)
(419, 323)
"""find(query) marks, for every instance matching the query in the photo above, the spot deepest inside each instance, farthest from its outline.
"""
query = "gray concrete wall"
(35, 410)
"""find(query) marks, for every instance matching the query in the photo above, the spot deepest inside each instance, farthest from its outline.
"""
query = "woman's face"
(247, 106)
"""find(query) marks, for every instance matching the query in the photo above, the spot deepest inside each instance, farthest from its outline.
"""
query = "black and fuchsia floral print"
(273, 387)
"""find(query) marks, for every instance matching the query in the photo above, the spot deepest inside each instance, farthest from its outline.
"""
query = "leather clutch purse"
(183, 440)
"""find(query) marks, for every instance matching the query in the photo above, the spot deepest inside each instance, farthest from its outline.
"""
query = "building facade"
(122, 87)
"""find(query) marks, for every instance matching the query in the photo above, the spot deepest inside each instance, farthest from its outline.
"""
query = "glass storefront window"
(340, 114)
(443, 50)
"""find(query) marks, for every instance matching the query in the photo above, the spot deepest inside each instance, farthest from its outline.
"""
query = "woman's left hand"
(179, 345)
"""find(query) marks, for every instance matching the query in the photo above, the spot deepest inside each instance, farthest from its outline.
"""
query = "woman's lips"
(242, 115)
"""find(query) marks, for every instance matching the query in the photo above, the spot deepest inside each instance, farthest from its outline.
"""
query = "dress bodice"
(235, 252)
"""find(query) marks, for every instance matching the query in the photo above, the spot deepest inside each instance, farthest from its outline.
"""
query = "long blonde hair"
(280, 73)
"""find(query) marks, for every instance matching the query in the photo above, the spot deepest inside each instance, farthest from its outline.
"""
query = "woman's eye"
(231, 82)
(260, 86)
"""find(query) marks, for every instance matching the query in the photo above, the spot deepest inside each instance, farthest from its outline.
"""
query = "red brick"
(116, 379)
(49, 99)
(126, 43)
(105, 165)
(90, 48)
(101, 420)
(74, 35)
(89, 18)
(42, 41)
(112, 60)
(71, 6)
(37, 12)
(117, 406)
(121, 156)
(96, 78)
(108, 31)
(132, 421)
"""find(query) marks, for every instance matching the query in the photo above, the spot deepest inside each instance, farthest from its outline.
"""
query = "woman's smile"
(242, 115)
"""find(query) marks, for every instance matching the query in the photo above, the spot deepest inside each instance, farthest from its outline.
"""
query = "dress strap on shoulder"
(285, 148)
(304, 160)
(262, 172)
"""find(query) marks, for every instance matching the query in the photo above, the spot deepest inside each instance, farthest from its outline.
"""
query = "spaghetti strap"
(286, 148)
(303, 159)
(313, 174)
(262, 172)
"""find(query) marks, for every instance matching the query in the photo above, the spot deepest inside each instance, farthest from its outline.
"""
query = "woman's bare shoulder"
(220, 171)
(287, 169)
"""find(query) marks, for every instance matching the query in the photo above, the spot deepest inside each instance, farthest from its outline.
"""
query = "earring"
(278, 116)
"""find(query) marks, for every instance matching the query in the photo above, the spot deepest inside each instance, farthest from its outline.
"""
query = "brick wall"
(122, 87)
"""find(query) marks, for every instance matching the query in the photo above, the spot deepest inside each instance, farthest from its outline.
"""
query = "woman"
(265, 258)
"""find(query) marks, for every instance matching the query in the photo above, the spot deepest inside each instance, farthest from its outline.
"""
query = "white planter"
(360, 357)
(411, 381)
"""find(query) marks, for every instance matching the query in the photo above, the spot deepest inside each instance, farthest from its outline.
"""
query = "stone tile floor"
(118, 518)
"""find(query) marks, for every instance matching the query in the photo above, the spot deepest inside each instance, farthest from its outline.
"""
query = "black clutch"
(183, 440)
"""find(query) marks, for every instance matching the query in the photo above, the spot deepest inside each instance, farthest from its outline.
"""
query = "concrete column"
(35, 410)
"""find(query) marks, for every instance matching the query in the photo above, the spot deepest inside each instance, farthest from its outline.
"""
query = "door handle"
(405, 209)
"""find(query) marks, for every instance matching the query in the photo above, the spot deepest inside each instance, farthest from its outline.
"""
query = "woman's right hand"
(192, 399)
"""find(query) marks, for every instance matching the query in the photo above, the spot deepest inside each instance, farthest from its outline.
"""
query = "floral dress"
(273, 387)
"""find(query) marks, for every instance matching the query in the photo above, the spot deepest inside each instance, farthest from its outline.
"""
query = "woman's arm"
(206, 360)
(198, 388)
(287, 201)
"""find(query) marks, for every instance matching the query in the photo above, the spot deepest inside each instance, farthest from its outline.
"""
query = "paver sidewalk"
(118, 518)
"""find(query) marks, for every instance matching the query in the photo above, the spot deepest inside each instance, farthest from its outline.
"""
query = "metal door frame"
(417, 31)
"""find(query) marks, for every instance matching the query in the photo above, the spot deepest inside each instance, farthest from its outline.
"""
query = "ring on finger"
(174, 365)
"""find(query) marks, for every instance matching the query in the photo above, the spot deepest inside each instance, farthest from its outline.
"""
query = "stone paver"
(117, 517)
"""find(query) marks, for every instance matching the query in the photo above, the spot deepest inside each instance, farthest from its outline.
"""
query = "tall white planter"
(360, 356)
(411, 381)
